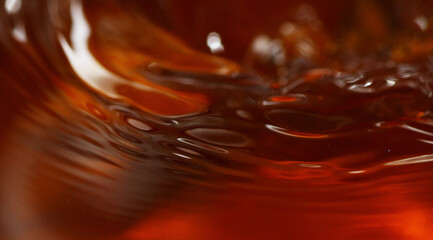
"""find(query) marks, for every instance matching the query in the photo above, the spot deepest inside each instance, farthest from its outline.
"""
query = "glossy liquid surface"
(131, 120)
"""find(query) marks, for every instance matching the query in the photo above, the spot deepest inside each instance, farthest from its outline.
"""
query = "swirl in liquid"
(133, 120)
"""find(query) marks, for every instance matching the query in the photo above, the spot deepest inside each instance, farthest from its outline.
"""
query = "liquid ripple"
(116, 125)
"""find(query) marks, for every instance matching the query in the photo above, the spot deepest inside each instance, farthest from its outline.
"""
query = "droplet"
(12, 6)
(214, 43)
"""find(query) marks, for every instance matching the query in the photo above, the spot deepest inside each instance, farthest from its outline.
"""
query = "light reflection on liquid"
(118, 123)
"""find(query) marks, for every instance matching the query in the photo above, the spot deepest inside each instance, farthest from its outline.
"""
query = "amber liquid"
(192, 120)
